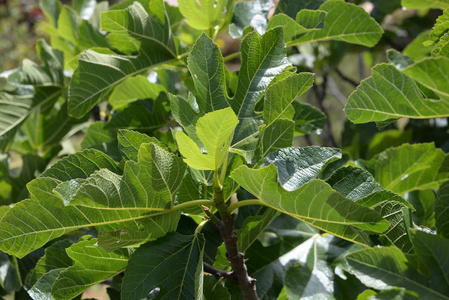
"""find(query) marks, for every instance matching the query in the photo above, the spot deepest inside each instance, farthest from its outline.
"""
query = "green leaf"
(213, 290)
(203, 14)
(253, 227)
(10, 279)
(49, 74)
(373, 98)
(22, 231)
(280, 95)
(151, 182)
(51, 9)
(101, 139)
(308, 119)
(80, 165)
(419, 4)
(359, 185)
(277, 135)
(92, 265)
(343, 22)
(89, 85)
(55, 257)
(206, 65)
(215, 131)
(384, 268)
(441, 213)
(399, 60)
(296, 166)
(132, 89)
(292, 7)
(146, 115)
(256, 73)
(15, 109)
(173, 263)
(148, 185)
(135, 233)
(252, 14)
(322, 206)
(409, 167)
(42, 288)
(431, 73)
(130, 141)
(312, 278)
(415, 48)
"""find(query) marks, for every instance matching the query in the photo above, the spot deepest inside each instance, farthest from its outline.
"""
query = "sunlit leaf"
(203, 14)
(89, 83)
(389, 94)
(322, 206)
(297, 166)
(92, 265)
(215, 130)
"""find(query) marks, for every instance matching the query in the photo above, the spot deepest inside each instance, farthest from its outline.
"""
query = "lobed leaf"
(92, 265)
(390, 94)
(263, 57)
(343, 22)
(385, 268)
(296, 166)
(315, 202)
(215, 131)
(409, 167)
(173, 263)
(98, 73)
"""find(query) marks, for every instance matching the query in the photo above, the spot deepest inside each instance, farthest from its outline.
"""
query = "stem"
(217, 272)
(226, 227)
(201, 225)
(231, 56)
(224, 169)
(236, 205)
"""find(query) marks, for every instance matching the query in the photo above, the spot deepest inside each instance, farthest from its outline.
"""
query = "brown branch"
(346, 78)
(320, 94)
(237, 260)
(217, 272)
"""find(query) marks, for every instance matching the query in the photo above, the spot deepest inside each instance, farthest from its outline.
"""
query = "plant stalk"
(237, 260)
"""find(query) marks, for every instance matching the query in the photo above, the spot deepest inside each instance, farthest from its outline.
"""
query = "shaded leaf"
(49, 74)
(308, 119)
(384, 268)
(173, 263)
(292, 7)
(441, 212)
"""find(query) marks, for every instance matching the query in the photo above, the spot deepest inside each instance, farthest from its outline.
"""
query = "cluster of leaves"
(179, 142)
